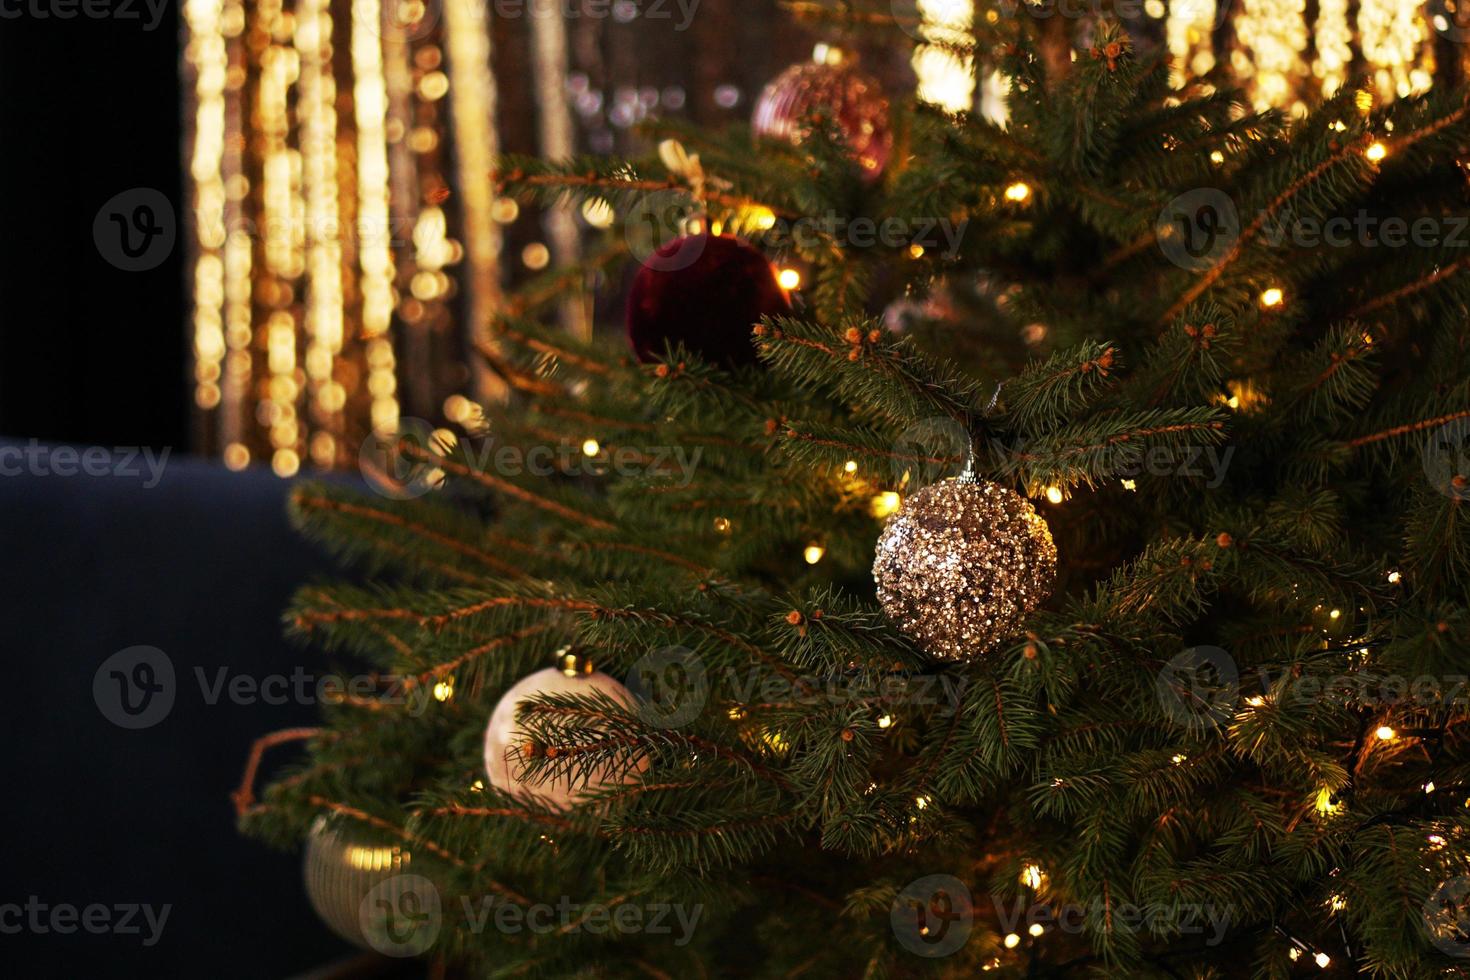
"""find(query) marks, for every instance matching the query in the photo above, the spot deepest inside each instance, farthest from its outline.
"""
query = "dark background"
(88, 353)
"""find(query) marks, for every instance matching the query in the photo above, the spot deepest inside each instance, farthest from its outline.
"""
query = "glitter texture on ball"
(961, 564)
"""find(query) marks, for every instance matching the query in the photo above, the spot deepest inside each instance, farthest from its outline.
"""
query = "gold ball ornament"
(960, 565)
(363, 885)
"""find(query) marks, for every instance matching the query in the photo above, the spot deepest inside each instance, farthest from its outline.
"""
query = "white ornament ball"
(504, 742)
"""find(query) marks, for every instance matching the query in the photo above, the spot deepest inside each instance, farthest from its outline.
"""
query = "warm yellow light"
(1216, 157)
(1054, 494)
(850, 466)
(1436, 842)
(916, 251)
(285, 462)
(1130, 485)
(1376, 152)
(237, 456)
(1338, 903)
(763, 218)
(1394, 578)
(1323, 960)
(1019, 192)
(1294, 954)
(591, 448)
(1179, 758)
(886, 721)
(885, 504)
(722, 525)
(1035, 929)
(813, 553)
(1429, 786)
(536, 256)
(1325, 804)
(1032, 876)
(478, 786)
(598, 213)
(444, 689)
(921, 801)
(1256, 701)
(789, 279)
(1012, 940)
(1385, 733)
(1272, 297)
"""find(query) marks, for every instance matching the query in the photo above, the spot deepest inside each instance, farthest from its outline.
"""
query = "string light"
(1179, 758)
(1036, 929)
(1130, 485)
(813, 553)
(850, 467)
(1325, 803)
(885, 504)
(1323, 960)
(1033, 877)
(1429, 787)
(444, 689)
(1189, 32)
(1012, 940)
(886, 721)
(1273, 35)
(591, 448)
(916, 251)
(1272, 297)
(1385, 733)
(1054, 494)
(945, 71)
(1376, 152)
(722, 525)
(1394, 578)
(600, 214)
(789, 279)
(1018, 192)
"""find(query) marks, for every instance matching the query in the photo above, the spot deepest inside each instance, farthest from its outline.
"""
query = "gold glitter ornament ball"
(961, 564)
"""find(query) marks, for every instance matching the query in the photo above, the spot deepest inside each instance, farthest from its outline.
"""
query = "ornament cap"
(572, 663)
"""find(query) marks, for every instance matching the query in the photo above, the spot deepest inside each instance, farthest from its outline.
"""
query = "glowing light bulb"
(1325, 804)
(1179, 759)
(885, 504)
(1032, 876)
(1335, 614)
(789, 279)
(598, 213)
(1376, 152)
(1385, 733)
(1018, 192)
(1012, 941)
(1272, 297)
(1338, 903)
(591, 448)
(444, 689)
(916, 251)
(1394, 578)
(1130, 485)
(1054, 494)
(1323, 960)
(1036, 929)
(921, 801)
(886, 721)
(1294, 954)
(850, 466)
(763, 219)
(1216, 157)
(813, 553)
(1429, 786)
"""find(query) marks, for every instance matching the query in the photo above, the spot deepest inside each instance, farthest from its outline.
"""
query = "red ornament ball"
(851, 99)
(706, 292)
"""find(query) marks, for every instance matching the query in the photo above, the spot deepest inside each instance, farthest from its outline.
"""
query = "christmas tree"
(1033, 547)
